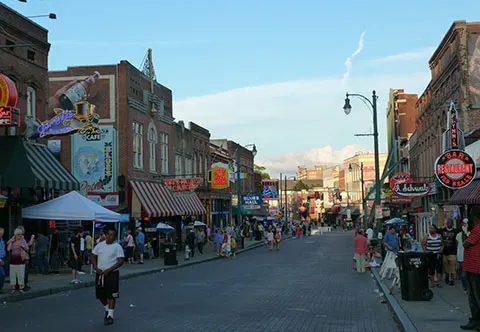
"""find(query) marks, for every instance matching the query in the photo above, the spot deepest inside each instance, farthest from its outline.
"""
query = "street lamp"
(347, 108)
(364, 200)
(286, 199)
(51, 16)
(239, 187)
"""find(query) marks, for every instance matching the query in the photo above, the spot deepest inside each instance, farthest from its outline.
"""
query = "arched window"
(31, 103)
(152, 143)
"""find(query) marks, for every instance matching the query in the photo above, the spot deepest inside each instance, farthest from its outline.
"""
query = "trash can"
(170, 257)
(413, 268)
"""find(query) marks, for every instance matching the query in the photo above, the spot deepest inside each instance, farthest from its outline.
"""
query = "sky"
(272, 72)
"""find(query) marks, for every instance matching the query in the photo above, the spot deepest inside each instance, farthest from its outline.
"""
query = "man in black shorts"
(107, 257)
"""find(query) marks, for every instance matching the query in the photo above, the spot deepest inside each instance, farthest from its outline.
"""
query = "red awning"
(190, 204)
(157, 199)
(469, 195)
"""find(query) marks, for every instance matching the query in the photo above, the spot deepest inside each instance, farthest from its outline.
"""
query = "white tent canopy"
(71, 206)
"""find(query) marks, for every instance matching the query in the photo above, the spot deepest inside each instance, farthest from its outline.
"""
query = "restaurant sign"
(252, 201)
(9, 116)
(219, 176)
(412, 189)
(399, 177)
(182, 184)
(454, 168)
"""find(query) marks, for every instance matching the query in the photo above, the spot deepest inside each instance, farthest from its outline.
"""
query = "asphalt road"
(309, 285)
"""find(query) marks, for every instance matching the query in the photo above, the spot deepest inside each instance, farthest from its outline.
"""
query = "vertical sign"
(269, 190)
(94, 160)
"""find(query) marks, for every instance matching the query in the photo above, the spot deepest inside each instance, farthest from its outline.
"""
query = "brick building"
(454, 77)
(136, 124)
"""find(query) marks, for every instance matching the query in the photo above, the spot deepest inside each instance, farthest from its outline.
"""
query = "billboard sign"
(94, 162)
(270, 190)
(252, 201)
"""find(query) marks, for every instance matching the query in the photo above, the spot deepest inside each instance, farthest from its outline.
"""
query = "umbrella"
(396, 221)
(199, 224)
(162, 227)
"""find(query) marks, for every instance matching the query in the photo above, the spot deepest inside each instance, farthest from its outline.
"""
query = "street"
(309, 285)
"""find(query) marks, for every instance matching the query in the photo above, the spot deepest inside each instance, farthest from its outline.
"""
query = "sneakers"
(108, 320)
(76, 281)
(81, 272)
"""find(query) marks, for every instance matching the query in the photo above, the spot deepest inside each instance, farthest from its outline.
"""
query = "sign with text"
(252, 201)
(9, 116)
(94, 162)
(8, 92)
(219, 176)
(182, 184)
(455, 169)
(412, 189)
(107, 200)
(399, 178)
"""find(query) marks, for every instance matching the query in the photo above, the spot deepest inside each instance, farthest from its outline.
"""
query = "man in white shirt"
(369, 233)
(107, 257)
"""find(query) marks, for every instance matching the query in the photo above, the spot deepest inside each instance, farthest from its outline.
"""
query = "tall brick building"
(455, 76)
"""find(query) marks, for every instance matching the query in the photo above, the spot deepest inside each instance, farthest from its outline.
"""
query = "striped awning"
(47, 169)
(469, 195)
(156, 199)
(190, 204)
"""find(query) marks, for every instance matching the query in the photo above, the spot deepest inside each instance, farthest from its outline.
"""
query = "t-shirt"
(448, 239)
(129, 240)
(107, 254)
(140, 239)
(270, 236)
(42, 243)
(82, 244)
(360, 244)
(88, 241)
(16, 252)
(471, 259)
(391, 240)
(75, 240)
(460, 249)
(369, 233)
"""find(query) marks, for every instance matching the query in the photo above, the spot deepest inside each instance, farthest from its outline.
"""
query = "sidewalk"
(45, 285)
(445, 312)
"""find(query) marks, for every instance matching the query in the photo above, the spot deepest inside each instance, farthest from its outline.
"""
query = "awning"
(243, 210)
(156, 199)
(354, 211)
(190, 204)
(31, 165)
(469, 195)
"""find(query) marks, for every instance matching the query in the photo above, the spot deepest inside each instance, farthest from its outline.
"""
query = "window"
(31, 103)
(188, 167)
(178, 165)
(200, 164)
(152, 145)
(31, 55)
(164, 152)
(195, 165)
(137, 145)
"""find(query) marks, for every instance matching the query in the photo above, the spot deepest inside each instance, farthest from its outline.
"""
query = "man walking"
(449, 235)
(75, 255)
(471, 265)
(2, 258)
(140, 244)
(200, 240)
(107, 257)
(360, 245)
(42, 253)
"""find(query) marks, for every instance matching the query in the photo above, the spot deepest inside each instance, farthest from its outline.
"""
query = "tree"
(299, 186)
(261, 170)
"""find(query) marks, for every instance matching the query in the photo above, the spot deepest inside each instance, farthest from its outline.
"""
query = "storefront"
(220, 211)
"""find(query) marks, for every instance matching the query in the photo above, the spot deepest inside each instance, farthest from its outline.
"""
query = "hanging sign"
(8, 92)
(412, 189)
(9, 116)
(399, 178)
(182, 184)
(219, 177)
(455, 169)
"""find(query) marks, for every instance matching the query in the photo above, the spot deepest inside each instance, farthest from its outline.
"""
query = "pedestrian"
(140, 244)
(26, 288)
(2, 258)
(130, 247)
(74, 261)
(88, 248)
(433, 243)
(107, 257)
(18, 248)
(190, 242)
(200, 236)
(460, 254)
(471, 265)
(277, 236)
(42, 253)
(449, 235)
(82, 254)
(270, 239)
(360, 245)
(55, 252)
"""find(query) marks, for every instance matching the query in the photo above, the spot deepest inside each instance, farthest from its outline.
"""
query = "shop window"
(152, 144)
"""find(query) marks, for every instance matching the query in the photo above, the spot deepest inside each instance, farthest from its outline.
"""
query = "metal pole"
(286, 201)
(239, 188)
(377, 161)
(363, 197)
(280, 208)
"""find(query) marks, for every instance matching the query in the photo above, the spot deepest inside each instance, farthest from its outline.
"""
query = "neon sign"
(219, 178)
(182, 184)
(81, 119)
(9, 116)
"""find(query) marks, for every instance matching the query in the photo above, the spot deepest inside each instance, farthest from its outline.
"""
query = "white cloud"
(349, 61)
(288, 163)
(423, 54)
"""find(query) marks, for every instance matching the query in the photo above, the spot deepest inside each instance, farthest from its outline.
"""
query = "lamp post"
(286, 199)
(347, 108)
(364, 201)
(239, 187)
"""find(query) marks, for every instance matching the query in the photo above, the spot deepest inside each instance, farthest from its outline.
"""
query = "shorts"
(129, 252)
(73, 263)
(106, 287)
(435, 265)
(141, 249)
(17, 273)
(450, 264)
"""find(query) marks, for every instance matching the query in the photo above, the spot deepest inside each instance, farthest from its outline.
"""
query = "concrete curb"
(401, 316)
(91, 283)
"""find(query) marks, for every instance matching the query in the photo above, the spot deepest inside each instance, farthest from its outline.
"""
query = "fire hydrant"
(187, 252)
